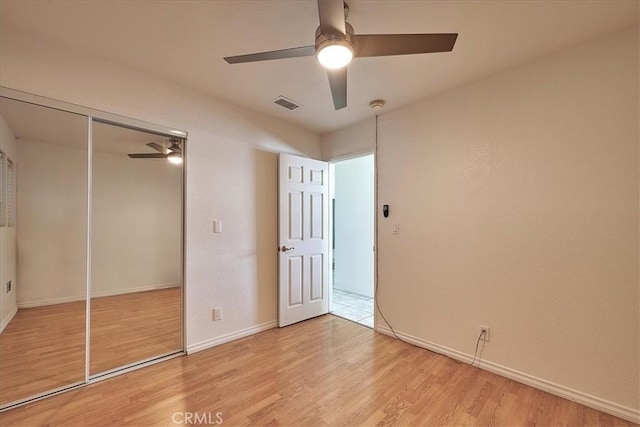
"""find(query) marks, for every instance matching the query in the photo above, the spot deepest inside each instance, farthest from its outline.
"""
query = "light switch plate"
(217, 226)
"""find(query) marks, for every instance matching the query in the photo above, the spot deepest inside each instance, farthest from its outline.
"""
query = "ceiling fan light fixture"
(175, 158)
(334, 53)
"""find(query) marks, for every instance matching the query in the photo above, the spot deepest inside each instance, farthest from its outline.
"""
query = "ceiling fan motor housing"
(175, 146)
(323, 40)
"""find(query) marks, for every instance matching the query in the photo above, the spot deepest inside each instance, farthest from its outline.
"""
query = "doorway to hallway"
(352, 186)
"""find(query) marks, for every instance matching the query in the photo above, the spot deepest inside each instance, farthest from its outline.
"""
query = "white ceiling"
(185, 41)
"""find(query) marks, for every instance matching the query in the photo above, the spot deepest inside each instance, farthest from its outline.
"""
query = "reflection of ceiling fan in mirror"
(172, 153)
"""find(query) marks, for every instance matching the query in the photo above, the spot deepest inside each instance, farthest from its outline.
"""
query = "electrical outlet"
(484, 331)
(216, 313)
(9, 286)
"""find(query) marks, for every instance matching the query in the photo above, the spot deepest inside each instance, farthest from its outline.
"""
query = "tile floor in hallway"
(357, 308)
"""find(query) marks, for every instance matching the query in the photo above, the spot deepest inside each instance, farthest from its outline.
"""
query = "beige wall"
(517, 199)
(231, 174)
(51, 223)
(356, 139)
(140, 203)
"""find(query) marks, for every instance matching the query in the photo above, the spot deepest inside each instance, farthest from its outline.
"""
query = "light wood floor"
(44, 347)
(325, 371)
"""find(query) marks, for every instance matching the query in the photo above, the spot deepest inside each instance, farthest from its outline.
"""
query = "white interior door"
(303, 235)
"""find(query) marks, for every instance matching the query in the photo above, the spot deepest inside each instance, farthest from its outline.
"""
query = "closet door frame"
(98, 116)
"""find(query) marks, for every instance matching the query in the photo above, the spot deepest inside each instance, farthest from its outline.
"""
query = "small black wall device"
(385, 210)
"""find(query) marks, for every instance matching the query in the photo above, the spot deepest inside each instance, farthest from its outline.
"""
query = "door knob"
(286, 249)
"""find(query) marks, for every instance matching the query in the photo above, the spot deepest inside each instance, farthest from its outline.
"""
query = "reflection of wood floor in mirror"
(134, 327)
(43, 347)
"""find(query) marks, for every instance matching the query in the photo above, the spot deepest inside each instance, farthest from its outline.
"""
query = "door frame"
(332, 163)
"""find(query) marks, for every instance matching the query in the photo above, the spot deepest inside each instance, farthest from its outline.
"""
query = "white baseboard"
(585, 399)
(5, 322)
(203, 345)
(134, 290)
(52, 301)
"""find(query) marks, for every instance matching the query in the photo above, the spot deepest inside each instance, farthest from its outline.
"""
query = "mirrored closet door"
(91, 253)
(43, 259)
(136, 250)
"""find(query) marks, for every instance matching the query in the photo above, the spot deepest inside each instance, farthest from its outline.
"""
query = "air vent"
(286, 103)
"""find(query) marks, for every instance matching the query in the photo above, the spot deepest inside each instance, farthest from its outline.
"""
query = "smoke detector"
(376, 105)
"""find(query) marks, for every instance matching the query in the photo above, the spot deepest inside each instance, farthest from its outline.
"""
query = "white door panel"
(303, 239)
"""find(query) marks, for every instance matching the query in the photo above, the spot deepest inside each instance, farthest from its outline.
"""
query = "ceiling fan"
(172, 153)
(336, 44)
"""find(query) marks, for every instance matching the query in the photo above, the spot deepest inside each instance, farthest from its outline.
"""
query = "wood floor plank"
(323, 372)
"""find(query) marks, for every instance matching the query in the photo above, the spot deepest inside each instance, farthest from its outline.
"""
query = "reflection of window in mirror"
(2, 189)
(10, 194)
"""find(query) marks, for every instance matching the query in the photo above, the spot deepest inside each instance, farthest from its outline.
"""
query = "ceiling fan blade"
(338, 84)
(366, 45)
(331, 17)
(294, 52)
(158, 147)
(147, 156)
